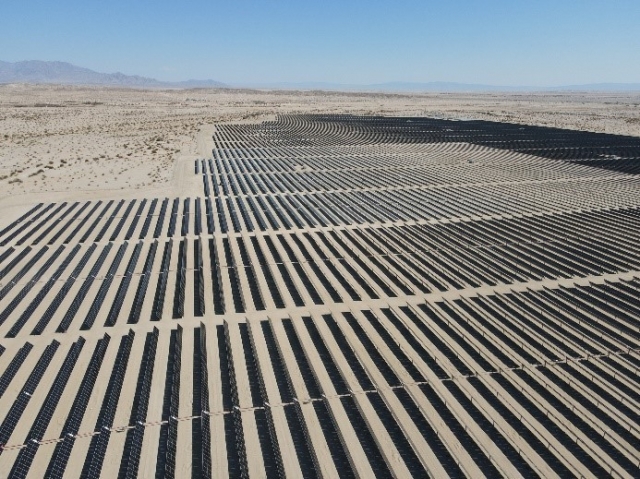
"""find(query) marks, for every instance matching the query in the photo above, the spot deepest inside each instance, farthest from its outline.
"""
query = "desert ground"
(73, 139)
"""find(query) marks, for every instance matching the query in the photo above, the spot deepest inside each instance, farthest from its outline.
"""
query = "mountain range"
(36, 71)
(442, 87)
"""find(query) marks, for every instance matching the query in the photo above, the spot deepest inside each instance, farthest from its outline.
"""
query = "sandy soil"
(55, 138)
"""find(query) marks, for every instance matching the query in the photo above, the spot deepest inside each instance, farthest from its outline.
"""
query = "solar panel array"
(340, 297)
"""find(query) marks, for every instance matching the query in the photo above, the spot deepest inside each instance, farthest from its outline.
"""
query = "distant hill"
(36, 71)
(602, 87)
(379, 87)
(466, 87)
(65, 73)
(409, 87)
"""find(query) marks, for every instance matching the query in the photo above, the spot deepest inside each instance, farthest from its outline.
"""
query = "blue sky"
(500, 42)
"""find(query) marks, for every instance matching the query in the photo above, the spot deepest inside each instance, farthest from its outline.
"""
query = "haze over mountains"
(39, 72)
(416, 87)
